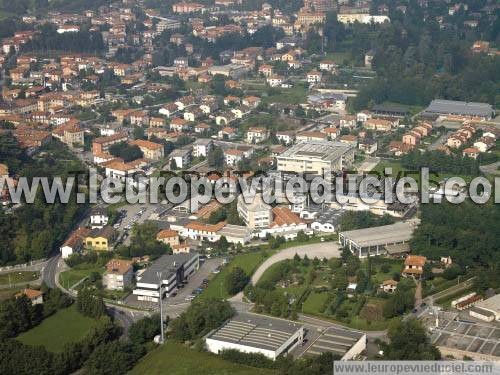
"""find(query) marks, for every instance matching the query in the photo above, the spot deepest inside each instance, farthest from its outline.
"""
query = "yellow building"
(100, 239)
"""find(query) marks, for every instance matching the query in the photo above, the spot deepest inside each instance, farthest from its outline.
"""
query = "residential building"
(74, 242)
(202, 232)
(232, 156)
(182, 157)
(169, 237)
(414, 266)
(98, 218)
(35, 296)
(100, 239)
(255, 214)
(257, 134)
(118, 274)
(389, 286)
(150, 150)
(201, 147)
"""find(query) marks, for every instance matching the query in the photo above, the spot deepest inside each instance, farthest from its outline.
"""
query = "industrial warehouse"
(376, 240)
(251, 333)
(450, 107)
(344, 343)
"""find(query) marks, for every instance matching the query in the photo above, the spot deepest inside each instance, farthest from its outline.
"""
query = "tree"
(409, 341)
(236, 280)
(201, 317)
(113, 358)
(144, 330)
(215, 158)
(125, 151)
(90, 304)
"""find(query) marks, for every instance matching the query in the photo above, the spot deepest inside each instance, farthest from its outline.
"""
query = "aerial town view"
(269, 187)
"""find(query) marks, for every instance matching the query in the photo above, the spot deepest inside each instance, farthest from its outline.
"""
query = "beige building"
(316, 157)
(169, 237)
(256, 214)
(118, 274)
(151, 150)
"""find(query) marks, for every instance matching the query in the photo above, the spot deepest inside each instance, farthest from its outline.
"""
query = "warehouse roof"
(491, 304)
(440, 106)
(385, 234)
(325, 150)
(257, 331)
(335, 340)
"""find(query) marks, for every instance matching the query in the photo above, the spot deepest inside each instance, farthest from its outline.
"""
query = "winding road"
(320, 250)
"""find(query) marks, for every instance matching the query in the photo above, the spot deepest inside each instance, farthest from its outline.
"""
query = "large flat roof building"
(452, 107)
(374, 240)
(252, 333)
(174, 270)
(492, 305)
(346, 344)
(316, 157)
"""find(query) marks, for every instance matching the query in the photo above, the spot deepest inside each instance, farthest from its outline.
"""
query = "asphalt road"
(320, 250)
(49, 271)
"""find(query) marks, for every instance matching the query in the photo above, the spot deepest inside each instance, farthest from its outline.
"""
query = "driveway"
(320, 250)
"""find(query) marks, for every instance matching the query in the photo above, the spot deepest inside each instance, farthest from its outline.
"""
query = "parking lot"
(135, 214)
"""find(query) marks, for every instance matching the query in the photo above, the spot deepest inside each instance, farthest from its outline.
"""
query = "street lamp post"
(162, 338)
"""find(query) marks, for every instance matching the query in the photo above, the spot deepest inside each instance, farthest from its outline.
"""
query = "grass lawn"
(248, 262)
(176, 359)
(18, 277)
(314, 302)
(295, 95)
(378, 276)
(338, 57)
(63, 327)
(74, 275)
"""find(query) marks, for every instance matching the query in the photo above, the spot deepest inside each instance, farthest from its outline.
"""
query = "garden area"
(346, 290)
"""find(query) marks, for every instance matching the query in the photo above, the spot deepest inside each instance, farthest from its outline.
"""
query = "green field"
(338, 57)
(63, 327)
(16, 277)
(176, 359)
(69, 278)
(295, 95)
(314, 302)
(248, 262)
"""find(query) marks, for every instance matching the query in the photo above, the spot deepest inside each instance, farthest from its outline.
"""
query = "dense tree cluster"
(201, 317)
(402, 300)
(35, 230)
(144, 330)
(409, 341)
(48, 39)
(17, 358)
(446, 230)
(18, 315)
(236, 280)
(351, 220)
(90, 304)
(416, 60)
(143, 242)
(125, 151)
(440, 163)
